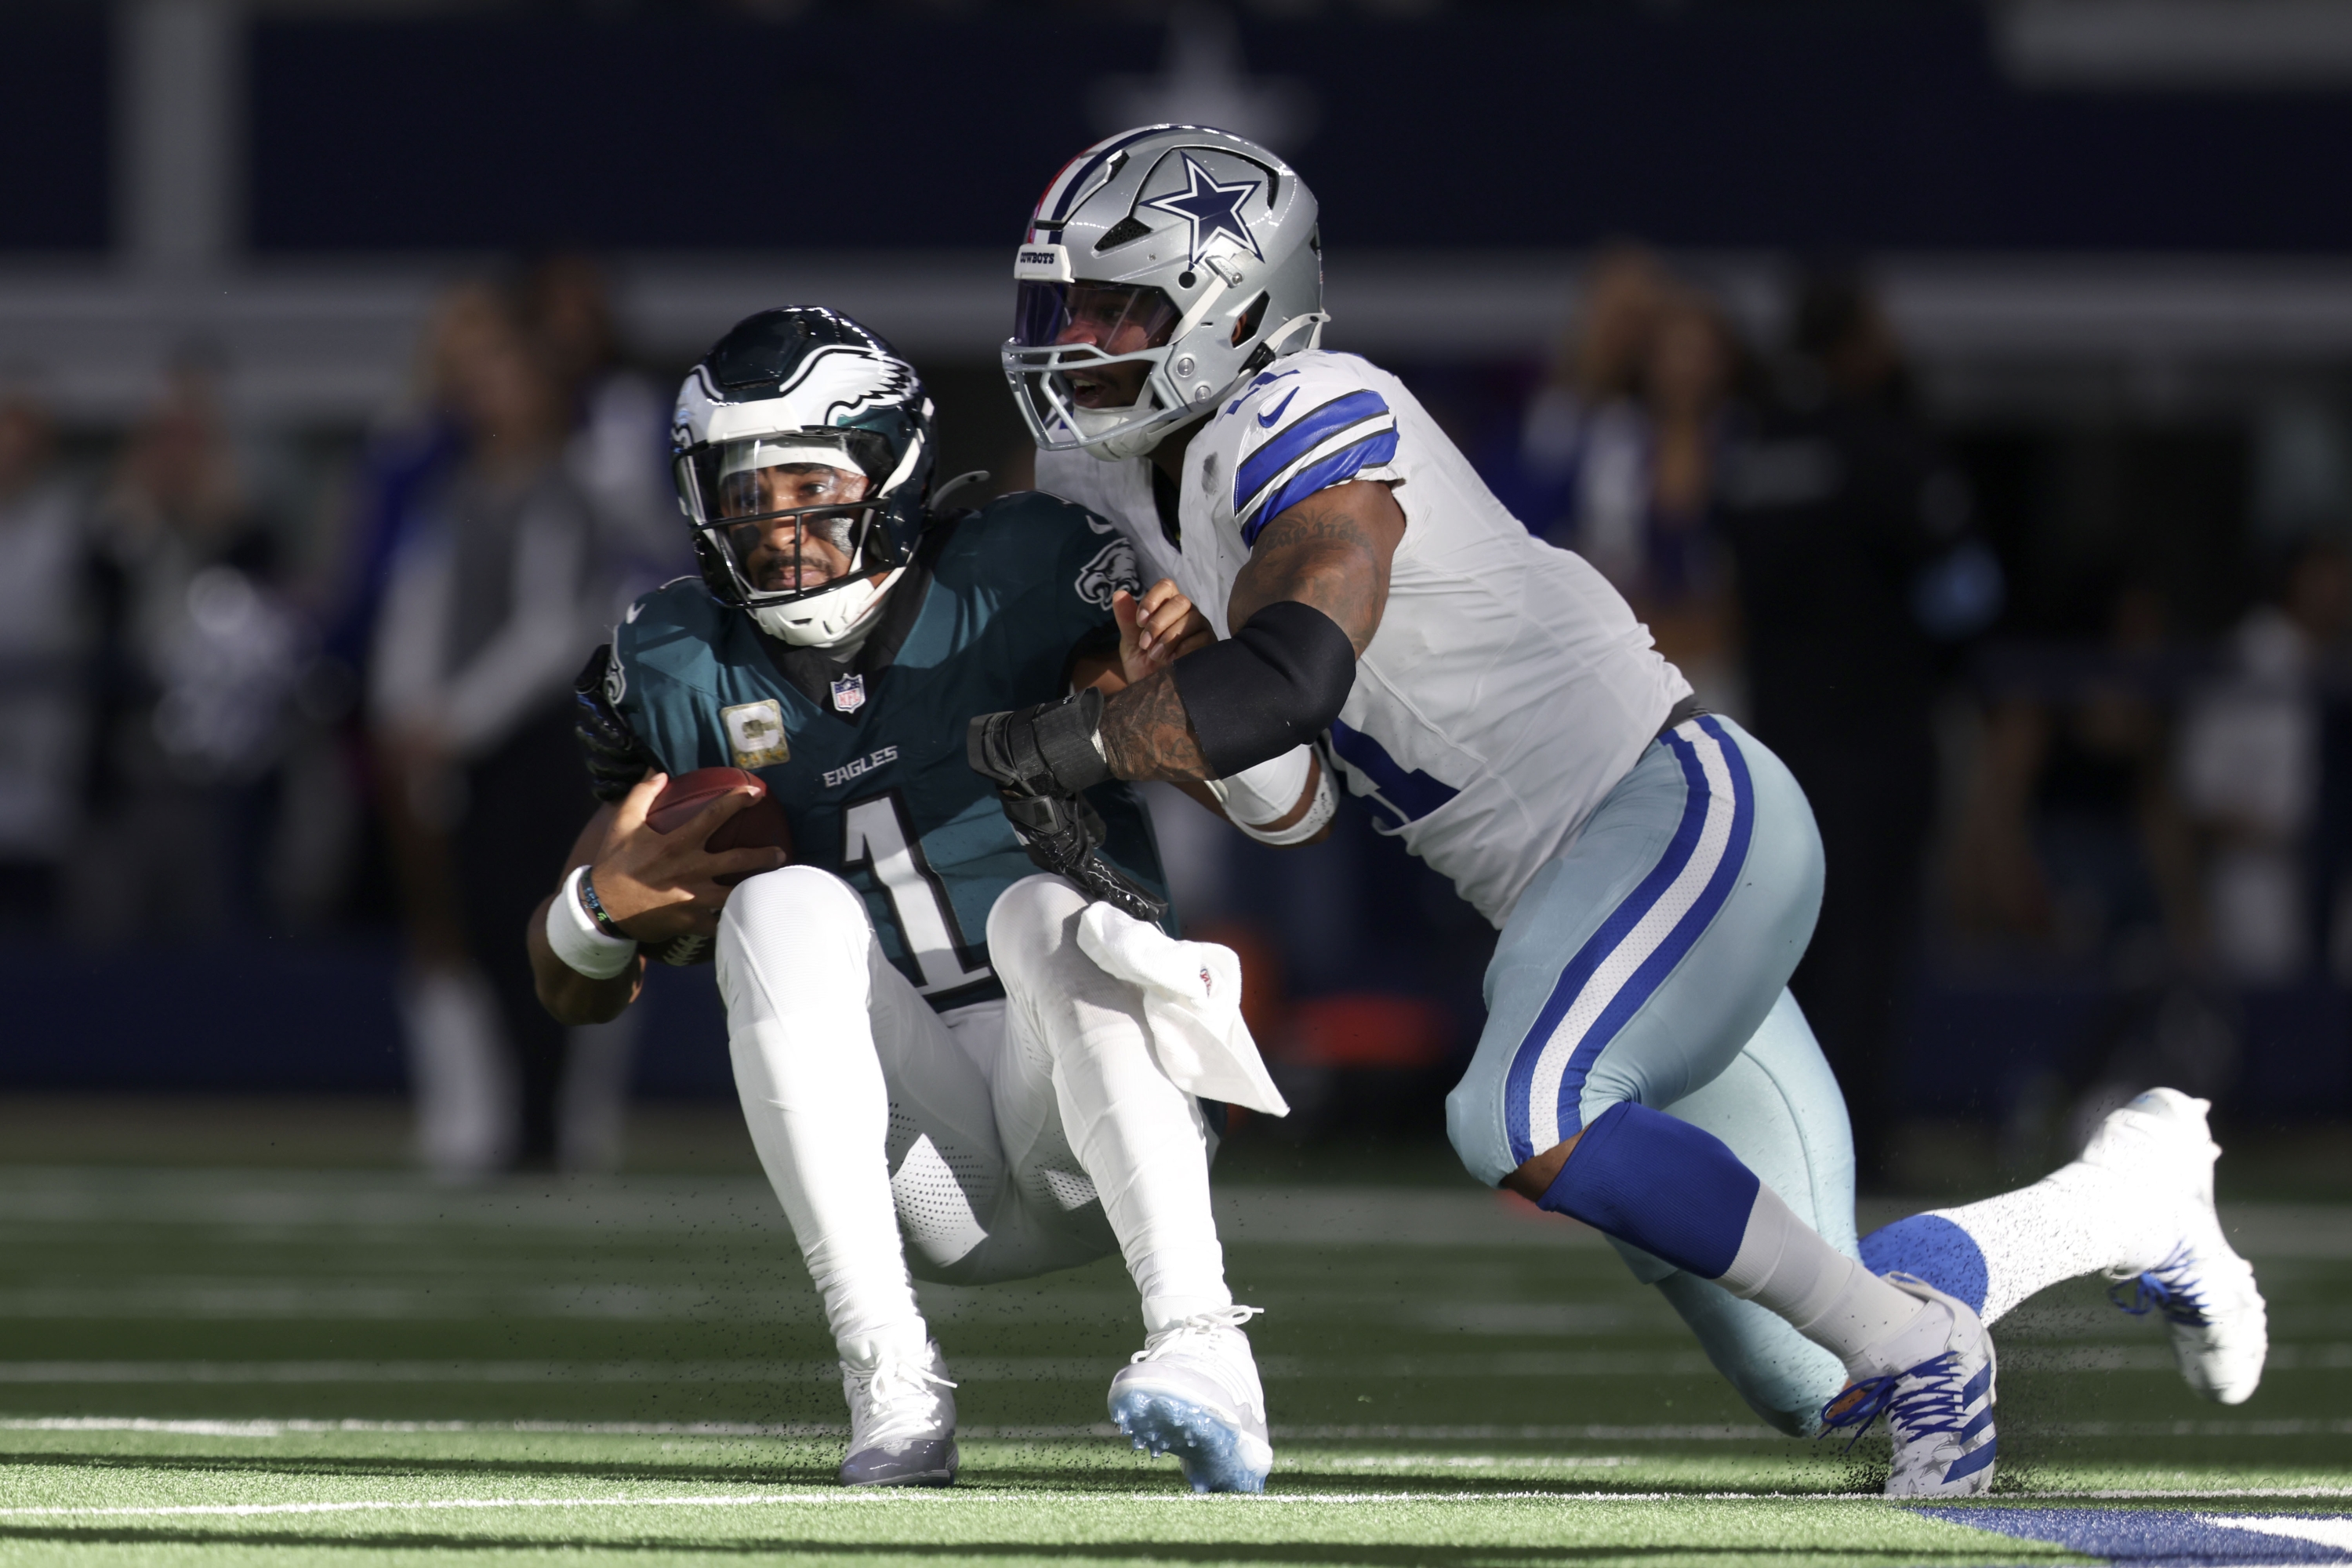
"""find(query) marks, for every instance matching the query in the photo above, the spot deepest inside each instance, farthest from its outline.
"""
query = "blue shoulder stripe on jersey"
(1302, 435)
(1338, 468)
(1408, 796)
(1265, 378)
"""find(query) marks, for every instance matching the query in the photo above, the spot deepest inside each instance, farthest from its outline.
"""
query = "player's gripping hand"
(1157, 629)
(659, 886)
(1040, 759)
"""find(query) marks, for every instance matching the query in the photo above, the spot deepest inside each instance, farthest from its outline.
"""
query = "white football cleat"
(902, 1416)
(2204, 1291)
(1933, 1379)
(1193, 1391)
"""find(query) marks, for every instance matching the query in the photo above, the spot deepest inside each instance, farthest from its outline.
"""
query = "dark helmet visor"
(1115, 318)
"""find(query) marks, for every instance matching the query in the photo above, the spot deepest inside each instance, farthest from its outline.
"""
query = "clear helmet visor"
(1114, 318)
(1082, 354)
(789, 514)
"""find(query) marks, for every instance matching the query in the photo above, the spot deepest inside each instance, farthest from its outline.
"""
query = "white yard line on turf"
(888, 1497)
(270, 1427)
(265, 1426)
(1513, 1364)
(2335, 1532)
(899, 1498)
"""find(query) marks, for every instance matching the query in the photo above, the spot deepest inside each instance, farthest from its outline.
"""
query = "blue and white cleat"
(2203, 1289)
(902, 1416)
(1193, 1391)
(1933, 1381)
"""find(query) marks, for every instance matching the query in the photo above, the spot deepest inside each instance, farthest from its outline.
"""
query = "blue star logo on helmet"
(1211, 209)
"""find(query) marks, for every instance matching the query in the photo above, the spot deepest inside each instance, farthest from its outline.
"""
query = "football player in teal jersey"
(944, 1059)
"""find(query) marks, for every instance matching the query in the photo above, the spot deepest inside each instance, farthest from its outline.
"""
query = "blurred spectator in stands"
(2071, 836)
(44, 690)
(618, 453)
(495, 595)
(1850, 534)
(198, 654)
(405, 458)
(1576, 471)
(2248, 771)
(1679, 582)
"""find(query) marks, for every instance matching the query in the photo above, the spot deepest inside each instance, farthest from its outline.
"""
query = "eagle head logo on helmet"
(802, 393)
(1162, 267)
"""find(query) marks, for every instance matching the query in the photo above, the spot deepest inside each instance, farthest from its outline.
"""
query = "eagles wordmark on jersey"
(877, 789)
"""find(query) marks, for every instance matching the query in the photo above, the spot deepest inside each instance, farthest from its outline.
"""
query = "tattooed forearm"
(1146, 735)
(1331, 551)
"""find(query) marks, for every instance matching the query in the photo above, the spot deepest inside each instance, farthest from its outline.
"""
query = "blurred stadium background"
(2067, 282)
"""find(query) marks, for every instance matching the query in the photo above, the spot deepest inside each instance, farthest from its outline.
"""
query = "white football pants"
(996, 1142)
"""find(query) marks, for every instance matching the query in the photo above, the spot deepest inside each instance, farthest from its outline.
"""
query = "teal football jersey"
(866, 751)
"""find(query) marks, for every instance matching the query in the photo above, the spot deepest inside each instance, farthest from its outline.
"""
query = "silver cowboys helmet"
(1185, 252)
(802, 446)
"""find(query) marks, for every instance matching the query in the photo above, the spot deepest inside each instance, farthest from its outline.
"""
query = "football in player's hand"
(759, 825)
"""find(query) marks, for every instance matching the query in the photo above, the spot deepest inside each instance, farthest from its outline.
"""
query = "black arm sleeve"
(616, 759)
(1276, 683)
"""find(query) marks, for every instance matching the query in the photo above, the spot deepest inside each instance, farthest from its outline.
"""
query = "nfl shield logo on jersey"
(849, 693)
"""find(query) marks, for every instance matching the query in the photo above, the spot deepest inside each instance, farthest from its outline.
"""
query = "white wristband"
(1267, 792)
(1270, 791)
(576, 940)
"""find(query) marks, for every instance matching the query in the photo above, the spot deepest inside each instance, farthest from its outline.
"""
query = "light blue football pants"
(1650, 962)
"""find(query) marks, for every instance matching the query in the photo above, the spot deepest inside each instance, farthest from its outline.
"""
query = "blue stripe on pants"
(1695, 873)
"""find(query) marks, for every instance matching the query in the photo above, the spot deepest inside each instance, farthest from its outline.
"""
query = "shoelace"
(1202, 1324)
(2167, 1290)
(1936, 1405)
(897, 1382)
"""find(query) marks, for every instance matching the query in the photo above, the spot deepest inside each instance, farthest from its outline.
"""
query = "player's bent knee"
(794, 908)
(1030, 921)
(1475, 1132)
(791, 893)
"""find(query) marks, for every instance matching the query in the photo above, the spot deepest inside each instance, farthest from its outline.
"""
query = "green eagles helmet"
(773, 428)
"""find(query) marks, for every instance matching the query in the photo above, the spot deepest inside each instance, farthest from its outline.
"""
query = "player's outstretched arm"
(650, 887)
(1330, 552)
(1305, 609)
(1162, 625)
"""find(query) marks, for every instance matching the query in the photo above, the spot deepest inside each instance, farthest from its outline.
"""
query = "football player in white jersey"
(1655, 871)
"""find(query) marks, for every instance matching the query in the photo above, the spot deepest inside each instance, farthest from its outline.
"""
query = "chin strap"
(822, 630)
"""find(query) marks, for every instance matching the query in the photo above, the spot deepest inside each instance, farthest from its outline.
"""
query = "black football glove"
(1039, 759)
(1051, 749)
(1060, 833)
(616, 759)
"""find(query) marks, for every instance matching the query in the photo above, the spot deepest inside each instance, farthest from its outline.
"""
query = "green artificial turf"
(284, 1366)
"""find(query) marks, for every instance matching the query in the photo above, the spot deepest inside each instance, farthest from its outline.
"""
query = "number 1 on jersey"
(875, 832)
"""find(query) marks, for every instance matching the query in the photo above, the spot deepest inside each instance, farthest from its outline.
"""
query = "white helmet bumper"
(828, 618)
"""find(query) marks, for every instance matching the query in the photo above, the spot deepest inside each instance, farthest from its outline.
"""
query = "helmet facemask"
(790, 526)
(1088, 361)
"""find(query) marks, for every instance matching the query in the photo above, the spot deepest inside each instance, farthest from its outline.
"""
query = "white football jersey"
(1508, 686)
